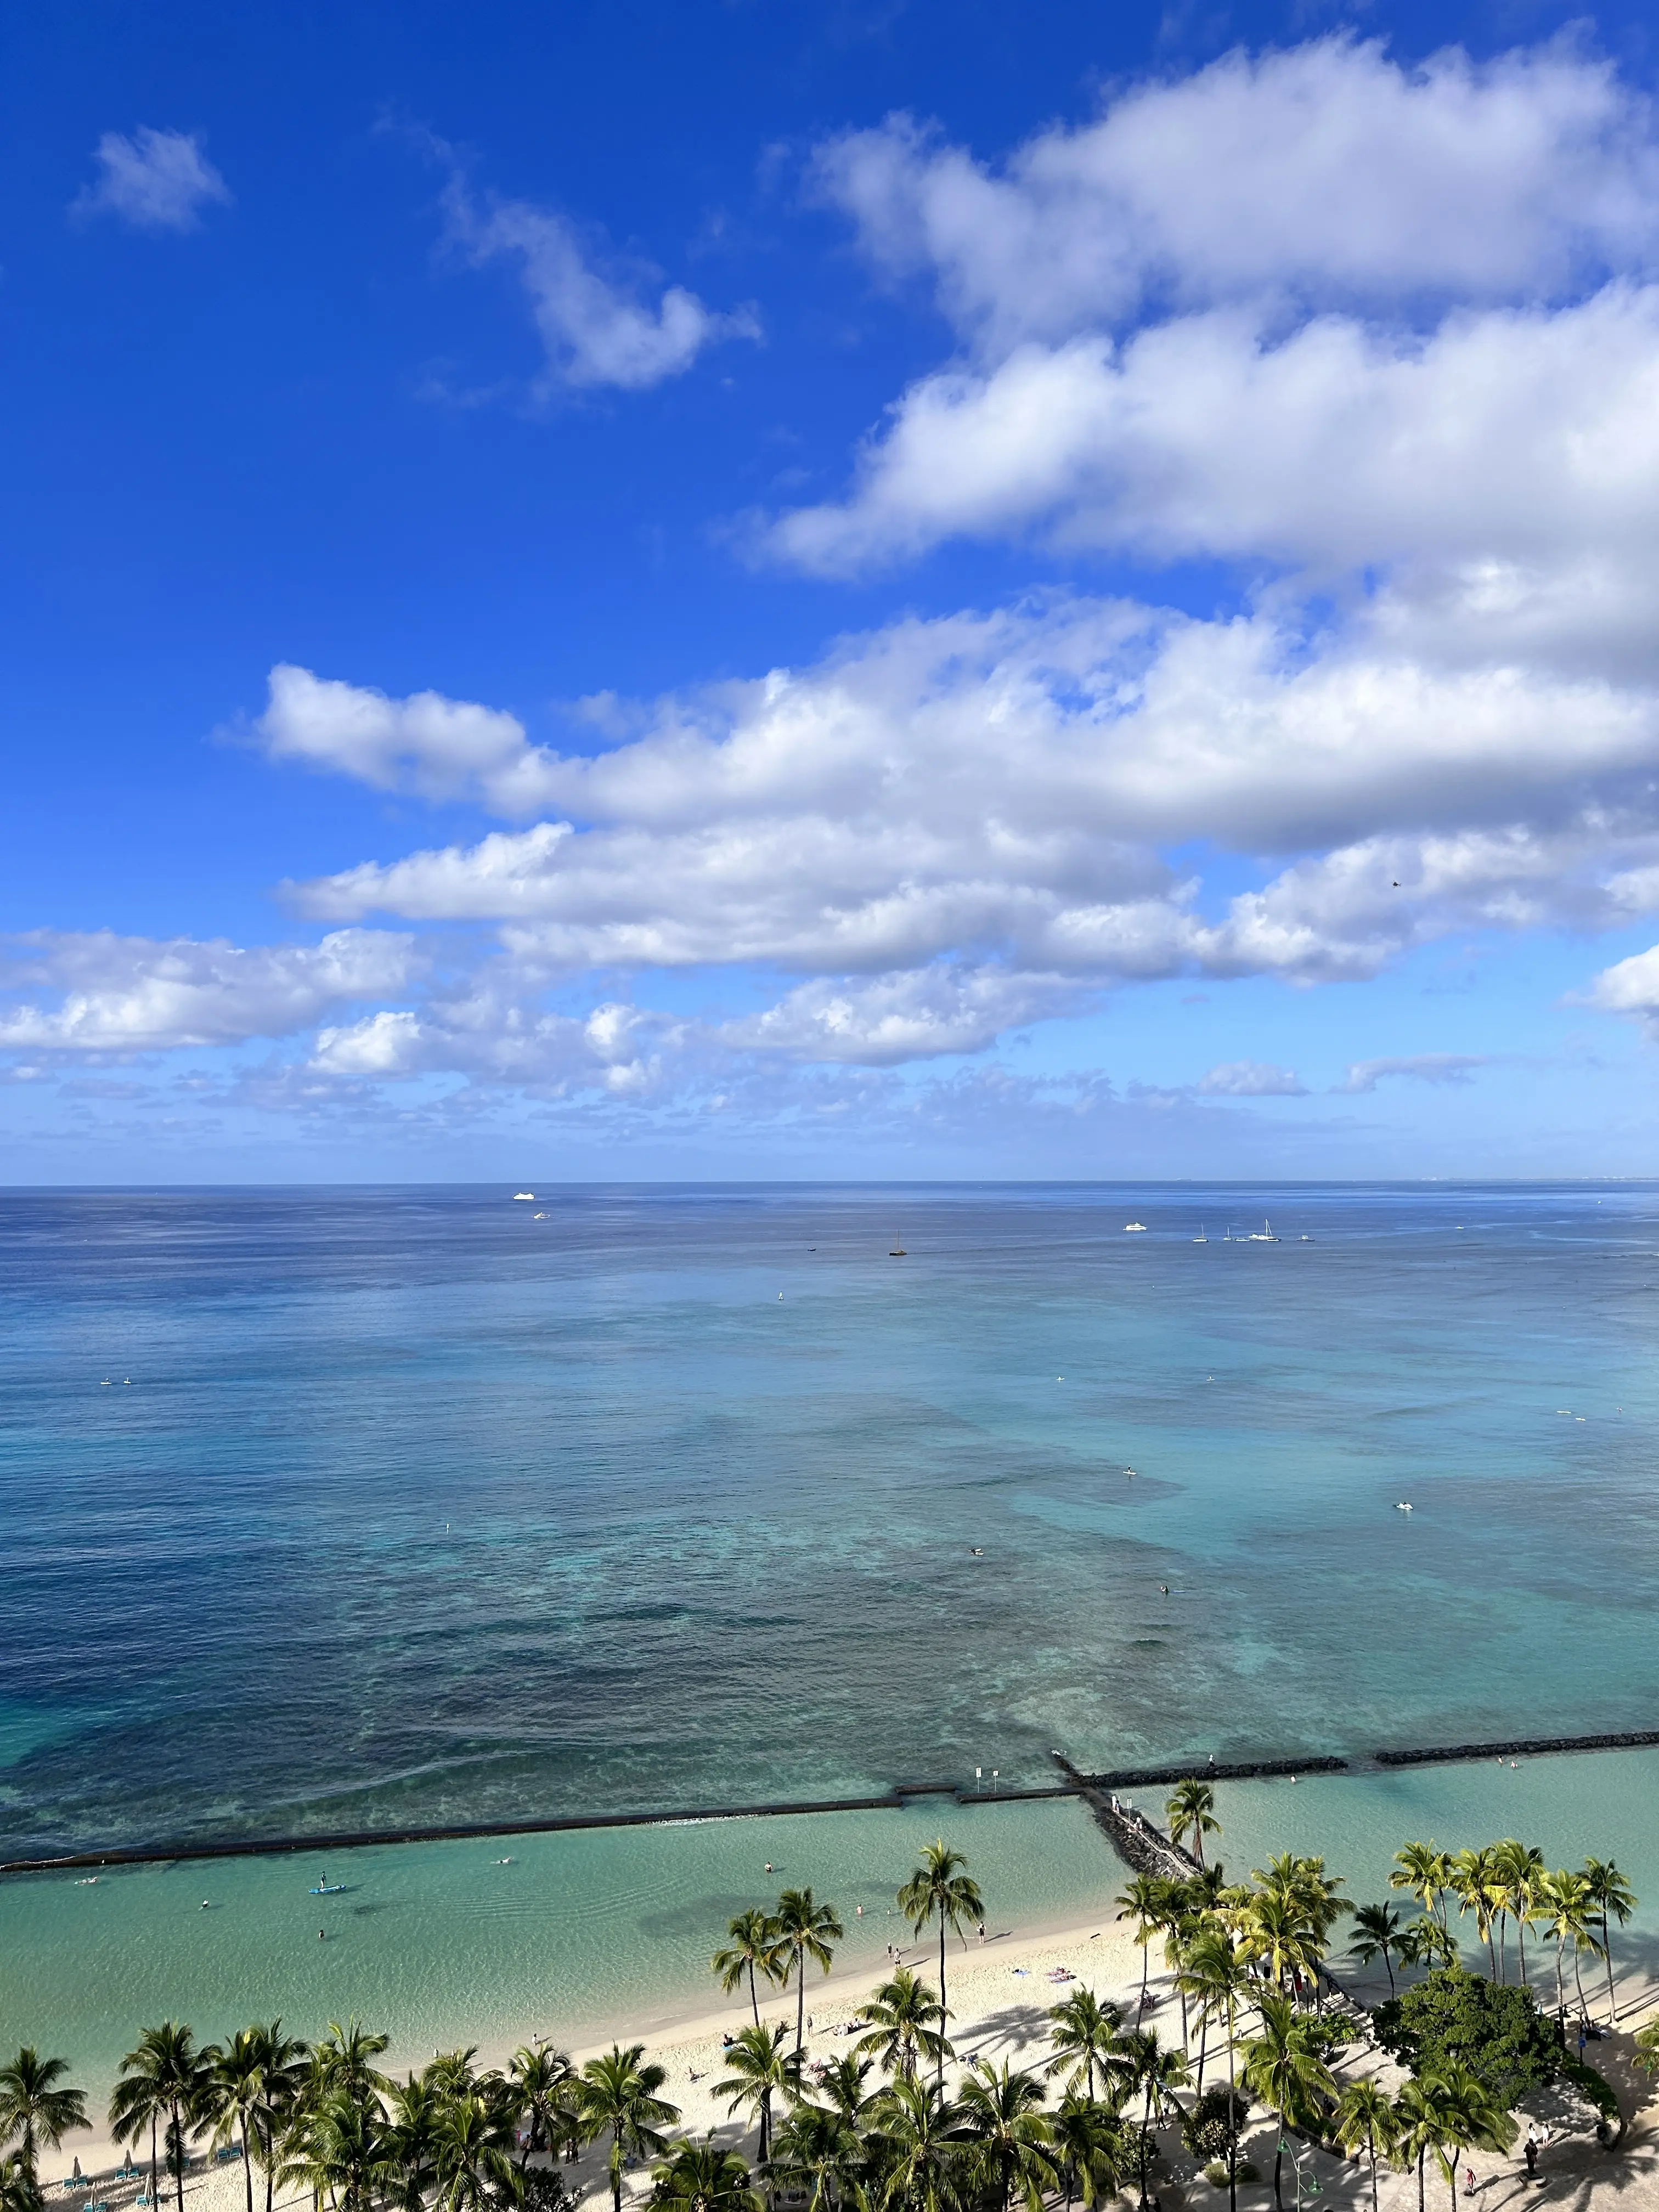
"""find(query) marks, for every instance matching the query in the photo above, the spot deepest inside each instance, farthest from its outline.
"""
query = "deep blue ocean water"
(419, 1507)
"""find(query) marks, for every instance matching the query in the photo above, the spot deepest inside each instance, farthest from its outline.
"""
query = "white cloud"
(916, 1015)
(125, 994)
(1252, 1079)
(1630, 987)
(599, 323)
(1435, 1067)
(1328, 174)
(155, 181)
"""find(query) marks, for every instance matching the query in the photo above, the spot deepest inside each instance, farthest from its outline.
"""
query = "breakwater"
(1096, 1787)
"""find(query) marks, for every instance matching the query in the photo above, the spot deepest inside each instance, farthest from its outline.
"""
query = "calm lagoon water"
(417, 1507)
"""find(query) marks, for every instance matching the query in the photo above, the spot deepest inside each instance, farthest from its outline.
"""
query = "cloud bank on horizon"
(1370, 350)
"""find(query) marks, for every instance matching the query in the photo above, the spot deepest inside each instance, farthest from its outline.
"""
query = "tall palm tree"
(1468, 2114)
(906, 2022)
(35, 2109)
(1566, 1910)
(756, 1948)
(759, 2067)
(1088, 2040)
(941, 1889)
(1473, 1886)
(472, 2155)
(17, 2193)
(1363, 2120)
(1156, 2070)
(1419, 2126)
(1011, 2155)
(410, 2144)
(337, 2147)
(818, 2149)
(160, 2078)
(1377, 1935)
(841, 2085)
(543, 2077)
(1426, 1872)
(1217, 1977)
(616, 2095)
(807, 1929)
(1191, 1811)
(1089, 2149)
(701, 2177)
(282, 2068)
(916, 2141)
(233, 2092)
(1284, 2069)
(1145, 1901)
(1517, 1868)
(1425, 1942)
(343, 2062)
(1609, 1894)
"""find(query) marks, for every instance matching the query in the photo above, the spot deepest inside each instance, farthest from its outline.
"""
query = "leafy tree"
(409, 2143)
(1475, 1888)
(36, 2108)
(1497, 2032)
(1092, 2150)
(1517, 1868)
(233, 2092)
(282, 2062)
(1191, 1812)
(1469, 2115)
(701, 2177)
(1211, 2129)
(1425, 1942)
(1011, 2156)
(543, 2078)
(941, 1889)
(807, 1929)
(819, 2149)
(1145, 1901)
(1566, 1909)
(1610, 1895)
(616, 2096)
(1155, 2072)
(756, 1948)
(1426, 1872)
(1376, 1936)
(916, 2141)
(17, 2193)
(841, 2085)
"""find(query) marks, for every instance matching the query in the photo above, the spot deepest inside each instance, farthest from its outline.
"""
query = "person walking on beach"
(1532, 2156)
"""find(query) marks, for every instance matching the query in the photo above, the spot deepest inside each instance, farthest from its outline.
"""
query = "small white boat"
(1402, 1507)
(1135, 1229)
(1262, 1235)
(1200, 1238)
(524, 1197)
(1305, 1239)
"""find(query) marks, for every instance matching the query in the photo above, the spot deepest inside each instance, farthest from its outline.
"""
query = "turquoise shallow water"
(439, 1943)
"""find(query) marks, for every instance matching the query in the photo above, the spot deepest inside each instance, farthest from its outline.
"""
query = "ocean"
(349, 1508)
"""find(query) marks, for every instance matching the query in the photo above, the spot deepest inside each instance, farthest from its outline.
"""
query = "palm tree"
(1473, 1886)
(472, 2155)
(1216, 1977)
(410, 2144)
(701, 2177)
(161, 2077)
(757, 1946)
(1364, 2121)
(1089, 2149)
(1087, 2039)
(1566, 1911)
(542, 2077)
(1419, 2126)
(841, 2083)
(1425, 1942)
(1156, 2071)
(1377, 1935)
(761, 2066)
(233, 2092)
(1285, 2068)
(1609, 1893)
(1011, 2156)
(17, 2193)
(35, 2109)
(807, 1929)
(1145, 1901)
(616, 2095)
(282, 2075)
(1517, 1868)
(338, 2147)
(1426, 1872)
(1467, 2114)
(941, 1889)
(1191, 1811)
(340, 2063)
(917, 2140)
(1276, 1933)
(906, 2020)
(819, 2149)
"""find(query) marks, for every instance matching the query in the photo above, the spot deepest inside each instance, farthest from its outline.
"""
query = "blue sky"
(730, 589)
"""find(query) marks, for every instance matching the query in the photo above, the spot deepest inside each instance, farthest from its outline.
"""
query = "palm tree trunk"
(1421, 2155)
(1607, 1953)
(616, 2171)
(753, 2000)
(1388, 1963)
(1560, 1998)
(1203, 2042)
(1370, 2146)
(1278, 2162)
(177, 2150)
(941, 2004)
(800, 1997)
(1578, 1983)
(247, 2165)
(1232, 2130)
(154, 2171)
(1520, 1940)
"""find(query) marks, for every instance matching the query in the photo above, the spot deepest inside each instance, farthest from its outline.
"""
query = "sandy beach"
(1000, 1992)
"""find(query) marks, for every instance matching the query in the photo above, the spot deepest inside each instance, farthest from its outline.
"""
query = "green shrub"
(1209, 2127)
(1215, 2171)
(1499, 2034)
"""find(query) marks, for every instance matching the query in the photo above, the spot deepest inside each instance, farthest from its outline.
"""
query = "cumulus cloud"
(1630, 987)
(1252, 1079)
(155, 181)
(600, 321)
(1436, 1067)
(96, 991)
(919, 1015)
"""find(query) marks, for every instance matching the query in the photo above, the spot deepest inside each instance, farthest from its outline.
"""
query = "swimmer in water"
(769, 1866)
(321, 1938)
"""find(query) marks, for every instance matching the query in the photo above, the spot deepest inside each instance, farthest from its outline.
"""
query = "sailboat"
(1264, 1234)
(1200, 1238)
